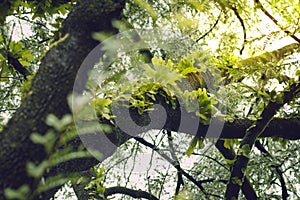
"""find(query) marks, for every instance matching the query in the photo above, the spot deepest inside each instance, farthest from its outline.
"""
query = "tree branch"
(240, 165)
(234, 9)
(176, 161)
(277, 169)
(183, 172)
(273, 56)
(229, 154)
(130, 192)
(260, 6)
(211, 29)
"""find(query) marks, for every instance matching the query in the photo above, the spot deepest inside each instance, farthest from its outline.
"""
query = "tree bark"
(252, 133)
(54, 81)
(50, 88)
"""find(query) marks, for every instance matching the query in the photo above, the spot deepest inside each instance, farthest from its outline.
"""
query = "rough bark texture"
(229, 154)
(283, 128)
(273, 56)
(49, 90)
(54, 81)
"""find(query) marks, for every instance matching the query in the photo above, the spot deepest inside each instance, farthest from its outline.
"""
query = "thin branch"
(277, 169)
(177, 163)
(234, 9)
(130, 192)
(9, 77)
(167, 158)
(10, 37)
(163, 181)
(275, 21)
(253, 132)
(133, 155)
(31, 21)
(118, 162)
(211, 158)
(12, 109)
(272, 56)
(211, 180)
(284, 192)
(211, 29)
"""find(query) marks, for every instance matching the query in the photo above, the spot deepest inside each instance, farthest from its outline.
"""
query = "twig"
(234, 9)
(277, 169)
(210, 30)
(259, 5)
(253, 132)
(167, 158)
(177, 163)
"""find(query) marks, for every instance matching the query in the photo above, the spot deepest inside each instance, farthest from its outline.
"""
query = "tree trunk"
(50, 88)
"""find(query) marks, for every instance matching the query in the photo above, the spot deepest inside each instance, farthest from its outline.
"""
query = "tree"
(261, 110)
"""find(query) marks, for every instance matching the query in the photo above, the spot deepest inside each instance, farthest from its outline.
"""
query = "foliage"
(58, 137)
(241, 49)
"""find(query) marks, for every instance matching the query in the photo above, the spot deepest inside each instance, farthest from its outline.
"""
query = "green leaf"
(147, 7)
(16, 47)
(264, 94)
(245, 150)
(101, 36)
(36, 171)
(4, 72)
(115, 78)
(237, 181)
(106, 128)
(184, 195)
(59, 125)
(42, 139)
(55, 181)
(52, 120)
(192, 146)
(200, 143)
(24, 62)
(47, 140)
(189, 70)
(162, 72)
(69, 156)
(228, 143)
(66, 120)
(26, 55)
(229, 161)
(20, 193)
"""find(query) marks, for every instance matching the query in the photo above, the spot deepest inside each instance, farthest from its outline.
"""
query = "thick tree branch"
(229, 154)
(15, 63)
(240, 165)
(284, 128)
(272, 56)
